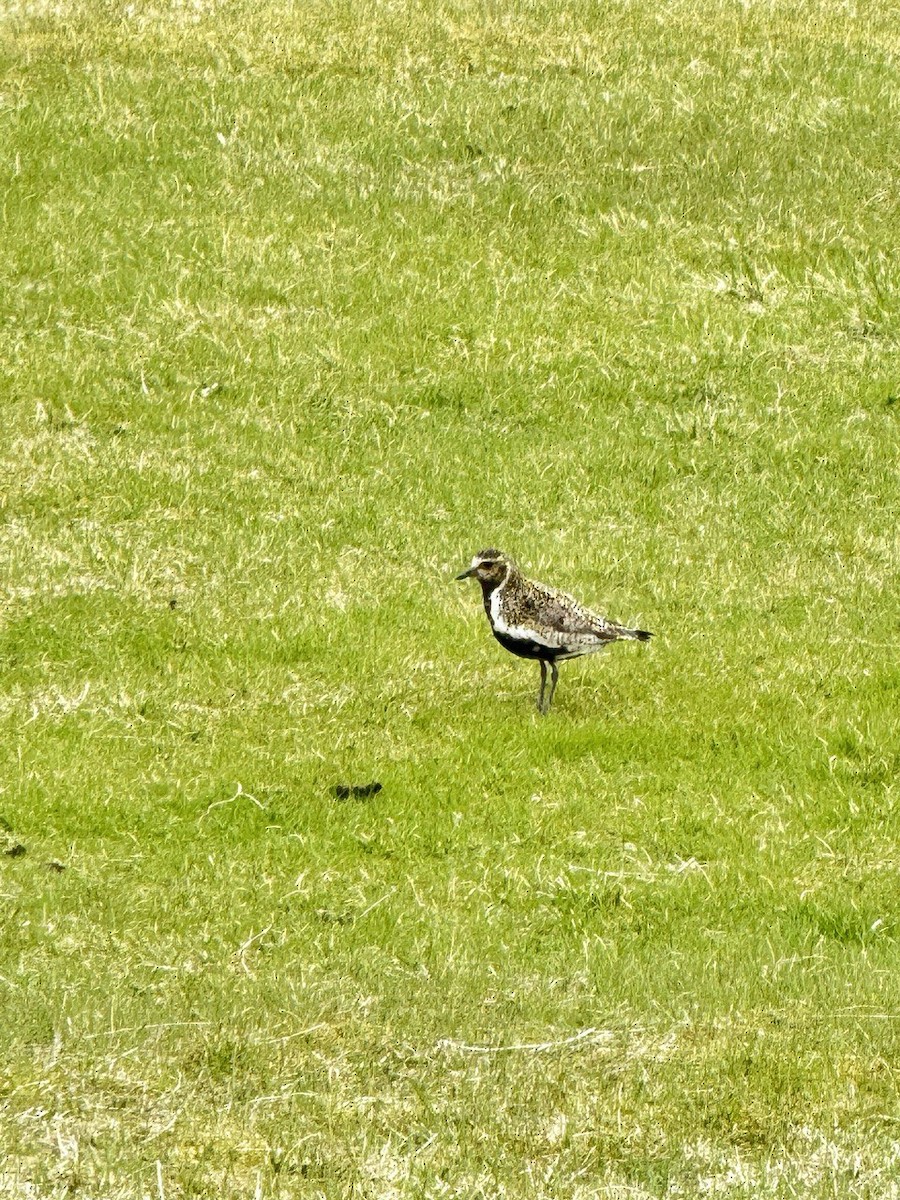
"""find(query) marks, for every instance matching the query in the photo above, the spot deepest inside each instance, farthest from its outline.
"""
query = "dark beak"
(466, 574)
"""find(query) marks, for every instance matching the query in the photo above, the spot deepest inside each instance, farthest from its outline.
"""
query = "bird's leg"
(540, 702)
(554, 675)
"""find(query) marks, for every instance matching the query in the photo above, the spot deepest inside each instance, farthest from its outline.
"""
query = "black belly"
(528, 649)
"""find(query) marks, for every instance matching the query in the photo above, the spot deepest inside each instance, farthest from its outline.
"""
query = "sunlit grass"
(300, 307)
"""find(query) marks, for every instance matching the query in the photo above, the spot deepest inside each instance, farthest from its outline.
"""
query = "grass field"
(300, 306)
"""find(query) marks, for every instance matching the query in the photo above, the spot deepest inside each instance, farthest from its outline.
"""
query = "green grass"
(300, 306)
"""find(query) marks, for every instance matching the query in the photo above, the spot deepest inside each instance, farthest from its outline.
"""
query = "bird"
(535, 621)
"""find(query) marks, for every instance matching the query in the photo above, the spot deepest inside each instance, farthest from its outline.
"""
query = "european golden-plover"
(535, 621)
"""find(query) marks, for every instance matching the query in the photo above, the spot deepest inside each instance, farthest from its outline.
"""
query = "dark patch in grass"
(16, 850)
(356, 791)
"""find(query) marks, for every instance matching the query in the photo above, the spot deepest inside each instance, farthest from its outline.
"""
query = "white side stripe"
(519, 632)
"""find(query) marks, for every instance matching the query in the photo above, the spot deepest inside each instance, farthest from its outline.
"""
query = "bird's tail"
(639, 635)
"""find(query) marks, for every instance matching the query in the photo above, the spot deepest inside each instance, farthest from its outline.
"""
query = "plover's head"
(488, 566)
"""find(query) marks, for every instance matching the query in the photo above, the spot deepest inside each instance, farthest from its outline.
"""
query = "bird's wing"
(562, 612)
